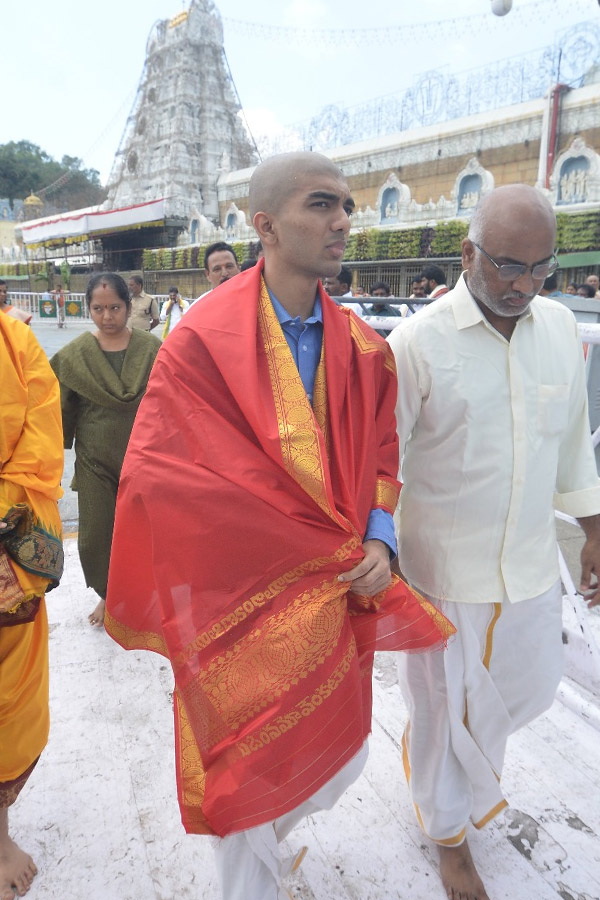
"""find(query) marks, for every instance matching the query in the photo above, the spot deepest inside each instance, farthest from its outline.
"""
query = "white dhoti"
(249, 863)
(498, 672)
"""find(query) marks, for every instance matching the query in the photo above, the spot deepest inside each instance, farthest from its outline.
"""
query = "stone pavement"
(52, 338)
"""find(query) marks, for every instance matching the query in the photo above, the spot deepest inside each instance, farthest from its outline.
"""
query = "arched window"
(389, 206)
(469, 192)
(572, 182)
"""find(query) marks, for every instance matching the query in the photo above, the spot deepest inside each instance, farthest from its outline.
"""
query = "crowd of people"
(221, 264)
(257, 455)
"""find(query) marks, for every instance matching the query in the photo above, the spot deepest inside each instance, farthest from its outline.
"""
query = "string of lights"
(523, 14)
(435, 96)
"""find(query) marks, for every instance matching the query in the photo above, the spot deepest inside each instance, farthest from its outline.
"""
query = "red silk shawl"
(246, 504)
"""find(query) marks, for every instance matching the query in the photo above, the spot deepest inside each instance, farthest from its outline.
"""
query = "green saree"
(100, 394)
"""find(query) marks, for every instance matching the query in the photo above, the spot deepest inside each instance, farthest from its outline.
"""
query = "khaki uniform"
(143, 309)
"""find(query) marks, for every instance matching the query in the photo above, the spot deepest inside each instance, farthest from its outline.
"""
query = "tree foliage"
(26, 168)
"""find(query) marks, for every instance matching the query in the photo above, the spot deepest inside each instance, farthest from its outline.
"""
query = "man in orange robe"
(31, 462)
(259, 487)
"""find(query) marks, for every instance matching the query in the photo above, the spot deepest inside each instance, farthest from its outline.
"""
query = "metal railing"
(29, 302)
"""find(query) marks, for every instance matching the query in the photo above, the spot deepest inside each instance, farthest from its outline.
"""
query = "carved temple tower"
(183, 129)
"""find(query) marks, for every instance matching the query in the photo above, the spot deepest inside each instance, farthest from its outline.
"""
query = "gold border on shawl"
(298, 434)
(134, 640)
(192, 777)
(368, 344)
(304, 708)
(386, 494)
(258, 600)
(444, 625)
(273, 659)
(320, 399)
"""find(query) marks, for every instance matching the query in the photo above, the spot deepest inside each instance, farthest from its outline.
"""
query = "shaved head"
(276, 179)
(506, 207)
(301, 206)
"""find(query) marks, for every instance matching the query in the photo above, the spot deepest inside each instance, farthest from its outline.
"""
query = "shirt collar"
(283, 316)
(466, 310)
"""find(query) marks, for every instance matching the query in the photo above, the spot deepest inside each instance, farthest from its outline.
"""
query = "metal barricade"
(41, 305)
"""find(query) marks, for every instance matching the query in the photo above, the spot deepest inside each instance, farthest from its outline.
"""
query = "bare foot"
(17, 870)
(95, 618)
(459, 875)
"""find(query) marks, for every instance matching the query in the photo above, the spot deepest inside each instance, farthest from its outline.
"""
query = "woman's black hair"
(588, 289)
(114, 281)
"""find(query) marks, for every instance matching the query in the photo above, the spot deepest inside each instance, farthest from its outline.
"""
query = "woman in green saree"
(103, 376)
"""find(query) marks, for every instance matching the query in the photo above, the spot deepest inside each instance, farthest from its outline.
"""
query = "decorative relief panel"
(576, 175)
(392, 200)
(471, 184)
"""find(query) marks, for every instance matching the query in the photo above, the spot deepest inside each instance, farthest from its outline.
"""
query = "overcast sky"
(71, 68)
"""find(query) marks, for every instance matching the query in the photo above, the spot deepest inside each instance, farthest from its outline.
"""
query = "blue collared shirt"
(305, 340)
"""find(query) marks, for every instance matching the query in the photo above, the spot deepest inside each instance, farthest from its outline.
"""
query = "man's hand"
(590, 560)
(372, 574)
(590, 566)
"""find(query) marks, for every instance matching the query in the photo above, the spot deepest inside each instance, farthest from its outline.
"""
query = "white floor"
(100, 814)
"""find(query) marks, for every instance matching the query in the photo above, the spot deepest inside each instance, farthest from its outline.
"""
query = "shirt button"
(304, 347)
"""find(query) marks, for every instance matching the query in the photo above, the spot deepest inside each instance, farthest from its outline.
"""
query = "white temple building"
(184, 126)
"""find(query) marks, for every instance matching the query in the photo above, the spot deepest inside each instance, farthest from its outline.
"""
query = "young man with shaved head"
(260, 481)
(493, 422)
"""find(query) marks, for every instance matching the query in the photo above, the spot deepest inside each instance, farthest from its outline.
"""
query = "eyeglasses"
(512, 271)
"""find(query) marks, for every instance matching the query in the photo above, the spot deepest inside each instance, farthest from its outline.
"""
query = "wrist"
(590, 526)
(377, 546)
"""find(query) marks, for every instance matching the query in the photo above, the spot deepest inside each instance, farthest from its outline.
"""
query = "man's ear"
(468, 252)
(264, 227)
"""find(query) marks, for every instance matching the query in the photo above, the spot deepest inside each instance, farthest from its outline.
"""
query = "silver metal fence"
(31, 302)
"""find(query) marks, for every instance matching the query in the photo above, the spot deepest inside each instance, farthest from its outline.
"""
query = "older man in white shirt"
(492, 418)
